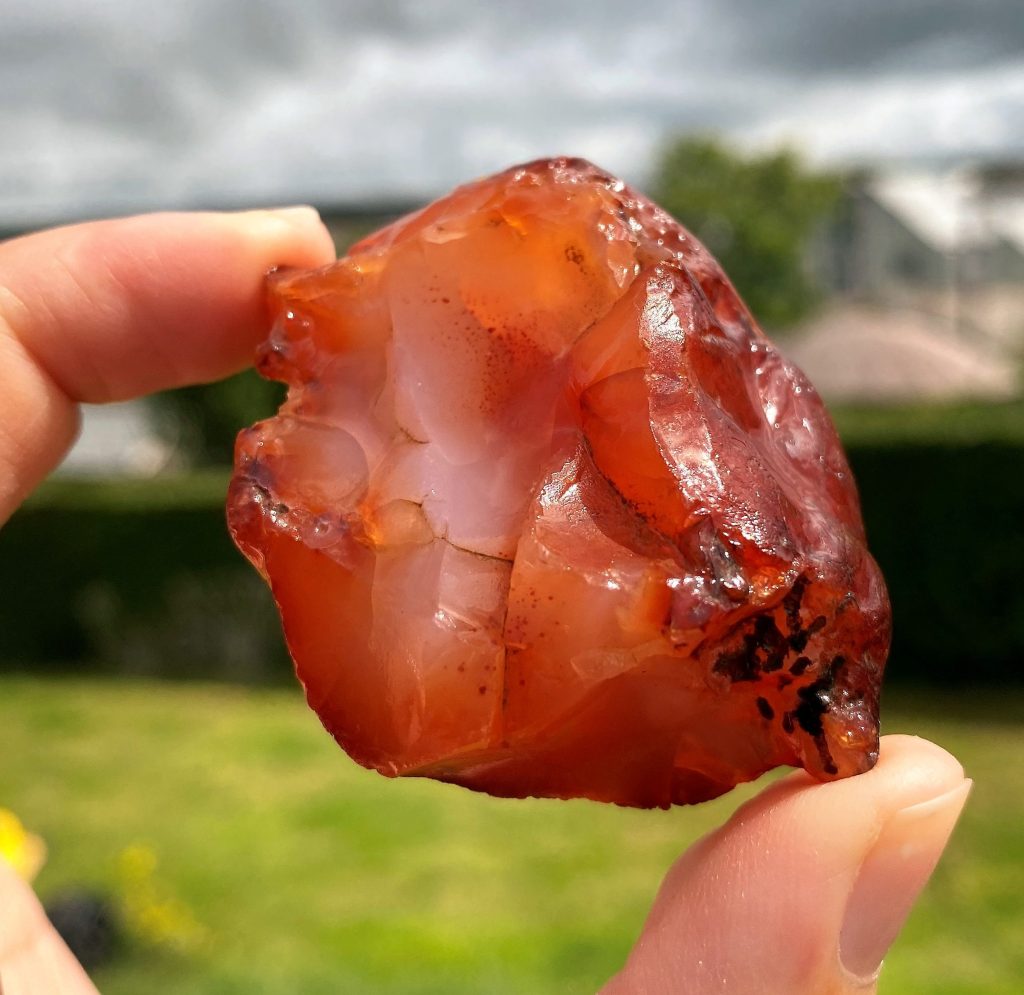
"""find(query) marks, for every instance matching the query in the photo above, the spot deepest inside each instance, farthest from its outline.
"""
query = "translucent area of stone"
(545, 513)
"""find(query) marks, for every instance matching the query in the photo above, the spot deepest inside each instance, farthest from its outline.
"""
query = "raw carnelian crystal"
(545, 513)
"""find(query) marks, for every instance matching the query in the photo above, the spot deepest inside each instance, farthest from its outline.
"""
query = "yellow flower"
(23, 850)
(149, 911)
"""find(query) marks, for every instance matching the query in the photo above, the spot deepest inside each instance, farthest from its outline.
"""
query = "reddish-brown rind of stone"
(546, 514)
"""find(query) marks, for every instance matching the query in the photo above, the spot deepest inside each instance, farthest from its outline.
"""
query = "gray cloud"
(118, 103)
(814, 38)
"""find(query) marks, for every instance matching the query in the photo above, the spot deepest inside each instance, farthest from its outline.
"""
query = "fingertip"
(114, 309)
(109, 310)
(918, 762)
(909, 769)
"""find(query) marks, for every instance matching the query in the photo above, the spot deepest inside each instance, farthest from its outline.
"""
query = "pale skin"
(801, 892)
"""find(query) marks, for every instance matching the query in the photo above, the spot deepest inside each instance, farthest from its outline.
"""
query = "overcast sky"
(112, 104)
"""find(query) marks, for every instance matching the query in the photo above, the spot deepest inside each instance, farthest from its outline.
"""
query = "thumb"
(804, 890)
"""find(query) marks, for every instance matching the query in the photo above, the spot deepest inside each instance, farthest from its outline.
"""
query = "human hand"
(800, 893)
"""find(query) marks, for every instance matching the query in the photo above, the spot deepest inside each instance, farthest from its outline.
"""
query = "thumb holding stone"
(804, 890)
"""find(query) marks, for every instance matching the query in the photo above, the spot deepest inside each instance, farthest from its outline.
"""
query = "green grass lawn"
(308, 875)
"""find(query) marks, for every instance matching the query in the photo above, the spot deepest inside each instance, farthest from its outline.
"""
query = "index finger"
(115, 309)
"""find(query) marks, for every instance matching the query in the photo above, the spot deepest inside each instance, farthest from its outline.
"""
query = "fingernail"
(300, 225)
(301, 214)
(893, 874)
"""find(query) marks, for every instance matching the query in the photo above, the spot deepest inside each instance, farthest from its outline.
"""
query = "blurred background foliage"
(756, 213)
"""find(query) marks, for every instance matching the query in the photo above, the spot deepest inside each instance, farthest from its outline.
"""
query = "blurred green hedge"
(944, 523)
(141, 577)
(135, 577)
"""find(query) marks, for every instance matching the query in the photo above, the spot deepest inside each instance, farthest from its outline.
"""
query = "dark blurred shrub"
(944, 524)
(756, 214)
(135, 577)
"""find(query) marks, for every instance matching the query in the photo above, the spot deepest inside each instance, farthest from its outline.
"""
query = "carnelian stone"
(545, 513)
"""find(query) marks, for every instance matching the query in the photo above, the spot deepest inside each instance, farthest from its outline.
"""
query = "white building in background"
(876, 354)
(118, 438)
(924, 272)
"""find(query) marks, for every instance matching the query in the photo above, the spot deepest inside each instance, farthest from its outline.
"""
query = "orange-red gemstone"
(545, 513)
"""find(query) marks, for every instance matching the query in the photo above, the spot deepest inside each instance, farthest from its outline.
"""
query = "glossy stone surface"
(545, 513)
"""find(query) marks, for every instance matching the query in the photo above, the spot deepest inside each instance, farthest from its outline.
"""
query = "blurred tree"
(756, 215)
(202, 421)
